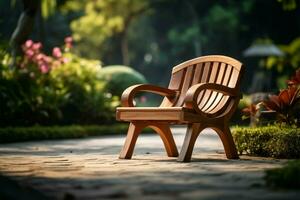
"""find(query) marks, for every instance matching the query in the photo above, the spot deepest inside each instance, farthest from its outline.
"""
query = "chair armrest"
(129, 93)
(193, 93)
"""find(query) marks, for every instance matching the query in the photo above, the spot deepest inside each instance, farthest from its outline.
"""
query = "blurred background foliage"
(149, 36)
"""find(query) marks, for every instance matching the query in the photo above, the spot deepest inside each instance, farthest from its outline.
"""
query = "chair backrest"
(206, 69)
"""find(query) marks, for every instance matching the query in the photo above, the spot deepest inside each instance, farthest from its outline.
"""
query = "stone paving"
(90, 169)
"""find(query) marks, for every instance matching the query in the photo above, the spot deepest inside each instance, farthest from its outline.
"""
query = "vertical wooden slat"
(221, 73)
(214, 72)
(227, 75)
(210, 102)
(186, 84)
(225, 81)
(219, 96)
(175, 84)
(198, 72)
(219, 80)
(234, 78)
(177, 80)
(221, 104)
(204, 79)
(211, 79)
(206, 72)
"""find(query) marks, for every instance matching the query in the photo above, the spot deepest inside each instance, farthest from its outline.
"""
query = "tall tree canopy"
(103, 20)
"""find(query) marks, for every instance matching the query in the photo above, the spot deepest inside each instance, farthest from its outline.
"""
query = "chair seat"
(173, 114)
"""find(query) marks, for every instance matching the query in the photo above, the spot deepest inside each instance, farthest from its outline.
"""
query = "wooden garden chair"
(203, 92)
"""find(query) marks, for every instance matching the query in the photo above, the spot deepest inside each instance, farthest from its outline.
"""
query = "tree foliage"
(155, 35)
(290, 60)
(104, 19)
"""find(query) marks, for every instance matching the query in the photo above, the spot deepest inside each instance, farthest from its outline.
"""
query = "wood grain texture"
(204, 59)
(132, 135)
(192, 133)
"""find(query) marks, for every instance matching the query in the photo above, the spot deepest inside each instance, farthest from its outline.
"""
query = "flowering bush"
(61, 88)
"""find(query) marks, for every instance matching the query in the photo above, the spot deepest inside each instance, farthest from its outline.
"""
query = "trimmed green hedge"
(18, 134)
(285, 177)
(268, 141)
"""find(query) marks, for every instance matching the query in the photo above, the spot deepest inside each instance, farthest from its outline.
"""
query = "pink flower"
(56, 52)
(40, 62)
(56, 63)
(65, 60)
(47, 59)
(28, 43)
(68, 39)
(68, 42)
(37, 46)
(40, 56)
(44, 69)
(29, 53)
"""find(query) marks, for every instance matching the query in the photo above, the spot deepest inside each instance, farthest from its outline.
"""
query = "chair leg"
(166, 135)
(132, 134)
(192, 133)
(227, 140)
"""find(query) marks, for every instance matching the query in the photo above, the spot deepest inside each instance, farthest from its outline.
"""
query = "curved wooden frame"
(202, 59)
(192, 94)
(130, 92)
(203, 92)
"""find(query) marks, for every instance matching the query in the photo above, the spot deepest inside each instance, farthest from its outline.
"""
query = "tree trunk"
(41, 30)
(24, 27)
(124, 48)
(197, 42)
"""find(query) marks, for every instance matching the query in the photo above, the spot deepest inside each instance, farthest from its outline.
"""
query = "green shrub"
(53, 90)
(118, 78)
(81, 95)
(285, 177)
(269, 141)
(18, 134)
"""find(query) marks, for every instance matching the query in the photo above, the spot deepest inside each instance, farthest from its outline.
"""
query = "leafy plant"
(286, 105)
(81, 92)
(290, 60)
(285, 177)
(288, 5)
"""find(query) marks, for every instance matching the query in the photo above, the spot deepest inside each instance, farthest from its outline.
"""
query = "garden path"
(90, 169)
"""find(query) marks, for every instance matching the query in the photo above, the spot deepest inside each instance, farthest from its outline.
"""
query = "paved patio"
(90, 169)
